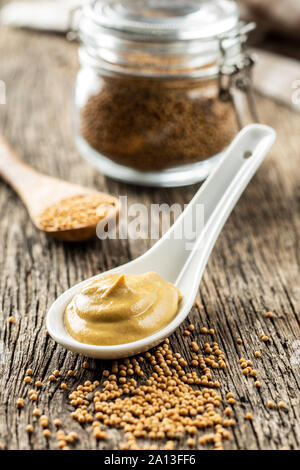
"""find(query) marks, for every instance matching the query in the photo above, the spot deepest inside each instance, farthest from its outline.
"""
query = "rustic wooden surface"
(254, 267)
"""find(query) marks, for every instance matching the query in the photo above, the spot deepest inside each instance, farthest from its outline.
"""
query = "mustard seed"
(269, 314)
(47, 433)
(190, 442)
(249, 416)
(29, 428)
(70, 373)
(191, 327)
(86, 365)
(27, 380)
(36, 412)
(257, 384)
(62, 444)
(281, 404)
(44, 421)
(72, 436)
(257, 354)
(57, 422)
(270, 404)
(239, 341)
(20, 402)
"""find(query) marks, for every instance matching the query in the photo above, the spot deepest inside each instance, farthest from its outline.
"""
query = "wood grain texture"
(254, 267)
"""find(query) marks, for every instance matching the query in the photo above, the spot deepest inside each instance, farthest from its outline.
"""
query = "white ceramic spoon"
(169, 257)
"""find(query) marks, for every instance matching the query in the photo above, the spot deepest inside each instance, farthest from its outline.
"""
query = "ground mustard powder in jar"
(150, 102)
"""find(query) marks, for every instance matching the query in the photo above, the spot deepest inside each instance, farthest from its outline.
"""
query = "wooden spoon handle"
(19, 175)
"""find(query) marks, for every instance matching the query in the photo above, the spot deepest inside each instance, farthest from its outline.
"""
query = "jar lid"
(165, 20)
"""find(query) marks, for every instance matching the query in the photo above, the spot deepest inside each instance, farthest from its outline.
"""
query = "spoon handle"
(188, 243)
(220, 193)
(15, 172)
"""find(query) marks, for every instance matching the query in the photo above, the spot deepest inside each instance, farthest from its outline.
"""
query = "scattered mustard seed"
(20, 402)
(270, 405)
(249, 416)
(190, 442)
(239, 341)
(29, 428)
(29, 372)
(86, 365)
(44, 421)
(281, 404)
(257, 354)
(47, 433)
(62, 444)
(73, 435)
(269, 314)
(264, 337)
(11, 319)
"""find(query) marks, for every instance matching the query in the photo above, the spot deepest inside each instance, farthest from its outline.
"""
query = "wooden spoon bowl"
(40, 192)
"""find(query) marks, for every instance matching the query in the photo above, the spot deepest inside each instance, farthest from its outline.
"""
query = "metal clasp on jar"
(236, 72)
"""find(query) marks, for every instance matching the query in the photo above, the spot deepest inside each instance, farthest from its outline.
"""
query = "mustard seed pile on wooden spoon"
(76, 218)
(66, 211)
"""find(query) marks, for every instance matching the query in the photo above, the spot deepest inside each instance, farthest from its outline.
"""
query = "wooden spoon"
(40, 192)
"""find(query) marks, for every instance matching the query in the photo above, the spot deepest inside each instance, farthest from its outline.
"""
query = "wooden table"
(254, 267)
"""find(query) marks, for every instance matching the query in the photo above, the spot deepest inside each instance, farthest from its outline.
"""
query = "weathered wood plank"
(254, 267)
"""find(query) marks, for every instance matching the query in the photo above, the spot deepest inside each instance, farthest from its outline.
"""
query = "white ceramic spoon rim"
(169, 257)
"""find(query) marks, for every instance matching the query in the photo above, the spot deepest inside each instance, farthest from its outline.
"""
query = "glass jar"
(153, 97)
